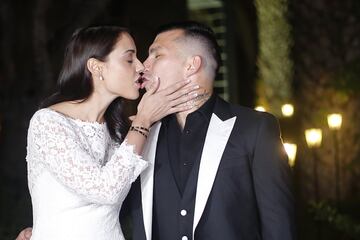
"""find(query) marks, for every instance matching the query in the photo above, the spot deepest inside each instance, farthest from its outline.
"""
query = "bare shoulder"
(68, 109)
(53, 113)
(62, 107)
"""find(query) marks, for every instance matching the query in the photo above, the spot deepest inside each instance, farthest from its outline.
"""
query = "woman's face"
(122, 69)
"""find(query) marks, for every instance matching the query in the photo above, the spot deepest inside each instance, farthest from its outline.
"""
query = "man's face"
(165, 59)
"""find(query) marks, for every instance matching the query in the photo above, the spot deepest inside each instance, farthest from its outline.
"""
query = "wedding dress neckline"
(78, 120)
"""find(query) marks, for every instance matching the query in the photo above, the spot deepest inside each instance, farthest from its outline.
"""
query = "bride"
(81, 157)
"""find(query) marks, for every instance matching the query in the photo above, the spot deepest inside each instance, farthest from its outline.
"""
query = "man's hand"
(25, 234)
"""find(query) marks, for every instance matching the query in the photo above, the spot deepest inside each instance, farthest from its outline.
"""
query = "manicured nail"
(196, 86)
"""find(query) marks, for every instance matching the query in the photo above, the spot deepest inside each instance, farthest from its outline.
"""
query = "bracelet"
(138, 131)
(141, 128)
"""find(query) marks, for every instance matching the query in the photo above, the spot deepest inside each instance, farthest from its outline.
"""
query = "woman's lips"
(138, 82)
(144, 81)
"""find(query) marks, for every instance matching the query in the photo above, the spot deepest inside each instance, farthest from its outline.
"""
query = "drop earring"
(101, 78)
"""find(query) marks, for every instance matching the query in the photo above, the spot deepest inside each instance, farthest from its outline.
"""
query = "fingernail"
(196, 86)
(195, 94)
(188, 80)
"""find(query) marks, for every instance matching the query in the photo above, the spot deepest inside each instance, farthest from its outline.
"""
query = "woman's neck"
(93, 109)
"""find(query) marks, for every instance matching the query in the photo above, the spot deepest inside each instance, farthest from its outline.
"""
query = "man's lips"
(142, 81)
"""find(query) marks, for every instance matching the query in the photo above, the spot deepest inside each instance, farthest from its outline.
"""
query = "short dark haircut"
(75, 80)
(198, 31)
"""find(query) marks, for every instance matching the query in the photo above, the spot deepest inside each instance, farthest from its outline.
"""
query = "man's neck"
(198, 103)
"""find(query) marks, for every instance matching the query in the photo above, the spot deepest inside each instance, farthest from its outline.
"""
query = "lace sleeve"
(54, 142)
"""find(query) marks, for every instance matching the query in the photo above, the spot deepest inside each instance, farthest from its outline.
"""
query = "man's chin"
(147, 85)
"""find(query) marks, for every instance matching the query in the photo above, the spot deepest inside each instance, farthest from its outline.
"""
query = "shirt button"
(187, 131)
(184, 238)
(183, 212)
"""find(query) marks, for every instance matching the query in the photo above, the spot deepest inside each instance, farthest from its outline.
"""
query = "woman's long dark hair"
(75, 80)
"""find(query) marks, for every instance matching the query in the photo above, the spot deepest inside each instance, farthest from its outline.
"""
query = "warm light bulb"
(334, 121)
(290, 149)
(260, 109)
(287, 110)
(313, 137)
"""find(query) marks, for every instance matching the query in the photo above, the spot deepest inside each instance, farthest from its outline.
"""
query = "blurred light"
(334, 121)
(287, 110)
(260, 109)
(290, 149)
(313, 137)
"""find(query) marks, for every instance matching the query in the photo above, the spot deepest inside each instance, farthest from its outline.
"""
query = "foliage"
(274, 62)
(347, 78)
(324, 212)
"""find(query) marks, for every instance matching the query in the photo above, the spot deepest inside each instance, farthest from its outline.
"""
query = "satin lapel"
(216, 139)
(147, 179)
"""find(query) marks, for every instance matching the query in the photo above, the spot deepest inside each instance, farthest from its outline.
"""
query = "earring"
(101, 78)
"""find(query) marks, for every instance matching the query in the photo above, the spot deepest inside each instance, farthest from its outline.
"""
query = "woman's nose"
(140, 67)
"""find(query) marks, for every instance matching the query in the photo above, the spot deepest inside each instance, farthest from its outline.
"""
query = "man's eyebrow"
(154, 49)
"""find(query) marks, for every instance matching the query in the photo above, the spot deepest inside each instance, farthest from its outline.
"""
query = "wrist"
(141, 130)
(141, 121)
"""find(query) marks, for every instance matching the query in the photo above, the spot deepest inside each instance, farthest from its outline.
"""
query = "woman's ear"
(94, 66)
(193, 65)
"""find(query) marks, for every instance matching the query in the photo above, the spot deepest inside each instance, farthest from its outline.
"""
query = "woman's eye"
(157, 56)
(130, 61)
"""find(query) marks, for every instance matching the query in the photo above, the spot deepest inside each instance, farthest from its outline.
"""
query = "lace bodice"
(88, 170)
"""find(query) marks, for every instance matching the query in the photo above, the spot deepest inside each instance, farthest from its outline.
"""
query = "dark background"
(325, 52)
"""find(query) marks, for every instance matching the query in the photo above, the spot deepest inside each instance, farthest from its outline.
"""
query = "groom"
(216, 172)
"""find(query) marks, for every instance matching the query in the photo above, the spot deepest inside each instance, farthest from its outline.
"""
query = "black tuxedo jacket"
(244, 181)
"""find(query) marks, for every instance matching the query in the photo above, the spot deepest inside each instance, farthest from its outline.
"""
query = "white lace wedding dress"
(78, 178)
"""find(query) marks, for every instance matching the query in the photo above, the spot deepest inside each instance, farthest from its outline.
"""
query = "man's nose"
(146, 64)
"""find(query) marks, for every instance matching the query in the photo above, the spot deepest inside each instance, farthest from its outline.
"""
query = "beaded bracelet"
(141, 128)
(138, 131)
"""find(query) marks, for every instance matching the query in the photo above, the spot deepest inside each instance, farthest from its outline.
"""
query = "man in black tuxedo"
(218, 171)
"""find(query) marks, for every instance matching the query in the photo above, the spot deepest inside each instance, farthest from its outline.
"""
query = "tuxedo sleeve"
(273, 182)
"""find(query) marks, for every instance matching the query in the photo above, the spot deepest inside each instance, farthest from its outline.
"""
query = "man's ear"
(193, 65)
(94, 66)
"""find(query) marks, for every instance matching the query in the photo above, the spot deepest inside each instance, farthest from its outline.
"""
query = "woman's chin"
(133, 96)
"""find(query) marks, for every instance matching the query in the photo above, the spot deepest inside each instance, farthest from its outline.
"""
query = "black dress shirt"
(185, 145)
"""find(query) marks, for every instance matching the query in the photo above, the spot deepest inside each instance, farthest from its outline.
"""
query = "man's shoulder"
(249, 112)
(246, 112)
(247, 118)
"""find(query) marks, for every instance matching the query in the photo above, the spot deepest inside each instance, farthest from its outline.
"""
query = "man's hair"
(198, 32)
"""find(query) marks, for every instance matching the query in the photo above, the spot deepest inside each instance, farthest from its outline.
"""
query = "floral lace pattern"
(82, 156)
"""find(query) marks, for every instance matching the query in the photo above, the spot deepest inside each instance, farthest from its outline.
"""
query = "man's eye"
(130, 61)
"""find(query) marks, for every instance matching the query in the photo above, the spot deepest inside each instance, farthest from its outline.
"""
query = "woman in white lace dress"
(81, 157)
